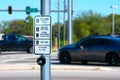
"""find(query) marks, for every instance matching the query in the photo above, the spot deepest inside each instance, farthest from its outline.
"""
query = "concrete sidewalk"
(54, 67)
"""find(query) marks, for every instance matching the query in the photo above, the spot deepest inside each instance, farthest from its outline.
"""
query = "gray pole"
(45, 7)
(64, 21)
(58, 24)
(113, 19)
(45, 69)
(113, 32)
(70, 21)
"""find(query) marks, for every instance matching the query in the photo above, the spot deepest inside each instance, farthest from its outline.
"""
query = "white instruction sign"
(42, 35)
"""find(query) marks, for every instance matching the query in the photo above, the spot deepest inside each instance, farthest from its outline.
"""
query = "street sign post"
(42, 39)
(42, 35)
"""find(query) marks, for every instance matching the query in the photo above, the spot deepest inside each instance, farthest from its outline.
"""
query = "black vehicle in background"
(92, 49)
(15, 42)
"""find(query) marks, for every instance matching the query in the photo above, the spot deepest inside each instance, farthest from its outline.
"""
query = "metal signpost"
(42, 39)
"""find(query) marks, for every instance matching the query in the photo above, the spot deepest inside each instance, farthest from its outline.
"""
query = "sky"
(97, 6)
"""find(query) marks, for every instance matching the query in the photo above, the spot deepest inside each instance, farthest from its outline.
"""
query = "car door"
(22, 43)
(87, 49)
(11, 43)
(100, 49)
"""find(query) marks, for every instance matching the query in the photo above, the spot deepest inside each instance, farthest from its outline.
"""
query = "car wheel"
(30, 50)
(65, 58)
(113, 60)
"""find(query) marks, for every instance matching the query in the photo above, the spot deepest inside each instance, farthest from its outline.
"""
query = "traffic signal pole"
(46, 68)
(70, 21)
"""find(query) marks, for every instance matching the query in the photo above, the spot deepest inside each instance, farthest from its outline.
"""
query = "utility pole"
(45, 69)
(58, 24)
(113, 19)
(64, 21)
(70, 21)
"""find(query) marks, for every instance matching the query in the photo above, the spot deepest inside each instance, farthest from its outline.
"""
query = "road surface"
(15, 66)
(22, 60)
(60, 75)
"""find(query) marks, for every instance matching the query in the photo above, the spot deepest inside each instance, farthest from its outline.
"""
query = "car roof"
(111, 37)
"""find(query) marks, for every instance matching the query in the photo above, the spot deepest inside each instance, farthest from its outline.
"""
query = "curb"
(54, 67)
(19, 67)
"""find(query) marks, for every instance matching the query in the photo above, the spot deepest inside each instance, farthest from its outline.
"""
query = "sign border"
(34, 35)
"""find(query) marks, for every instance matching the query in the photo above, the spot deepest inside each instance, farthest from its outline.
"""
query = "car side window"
(103, 42)
(88, 43)
(21, 38)
(12, 38)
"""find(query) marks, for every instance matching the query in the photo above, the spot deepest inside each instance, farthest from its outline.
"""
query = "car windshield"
(80, 41)
(21, 38)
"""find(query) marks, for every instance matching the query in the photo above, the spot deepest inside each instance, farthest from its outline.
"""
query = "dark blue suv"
(92, 49)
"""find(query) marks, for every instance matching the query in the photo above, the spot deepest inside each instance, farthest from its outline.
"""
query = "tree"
(80, 29)
(55, 32)
(15, 27)
(29, 26)
(117, 24)
(89, 23)
(20, 26)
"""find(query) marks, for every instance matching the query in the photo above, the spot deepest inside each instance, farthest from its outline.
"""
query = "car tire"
(113, 60)
(65, 58)
(30, 50)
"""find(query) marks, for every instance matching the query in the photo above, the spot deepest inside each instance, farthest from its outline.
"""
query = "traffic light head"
(10, 9)
(28, 10)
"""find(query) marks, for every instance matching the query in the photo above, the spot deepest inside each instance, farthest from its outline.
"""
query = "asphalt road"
(21, 59)
(60, 75)
(17, 63)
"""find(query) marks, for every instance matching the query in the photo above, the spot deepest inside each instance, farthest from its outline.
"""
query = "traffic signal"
(10, 9)
(28, 10)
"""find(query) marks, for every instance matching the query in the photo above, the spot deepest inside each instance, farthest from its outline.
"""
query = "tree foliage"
(89, 23)
(85, 24)
(20, 26)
